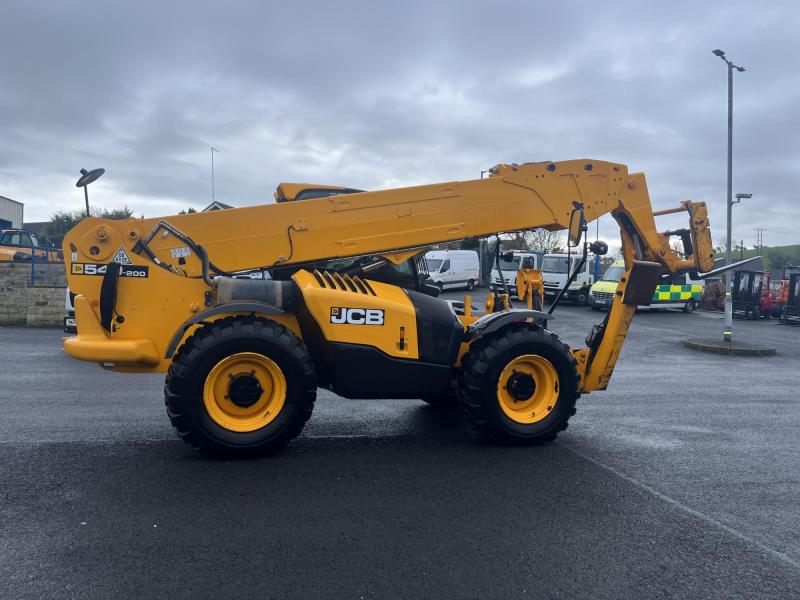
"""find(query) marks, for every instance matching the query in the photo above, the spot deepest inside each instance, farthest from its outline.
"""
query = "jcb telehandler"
(244, 358)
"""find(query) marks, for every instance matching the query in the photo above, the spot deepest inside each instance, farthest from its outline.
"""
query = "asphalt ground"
(682, 480)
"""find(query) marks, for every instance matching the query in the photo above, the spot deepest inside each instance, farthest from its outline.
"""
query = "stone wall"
(37, 304)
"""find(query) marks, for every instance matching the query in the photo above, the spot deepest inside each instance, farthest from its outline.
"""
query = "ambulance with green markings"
(672, 291)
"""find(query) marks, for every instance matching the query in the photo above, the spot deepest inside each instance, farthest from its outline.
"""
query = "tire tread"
(476, 364)
(179, 378)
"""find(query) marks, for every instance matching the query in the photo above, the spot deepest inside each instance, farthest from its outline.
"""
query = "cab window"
(445, 266)
(614, 273)
(528, 263)
(743, 282)
(509, 265)
(670, 279)
(433, 264)
(554, 264)
(16, 238)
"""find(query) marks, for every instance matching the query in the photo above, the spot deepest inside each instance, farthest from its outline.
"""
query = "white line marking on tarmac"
(354, 436)
(685, 508)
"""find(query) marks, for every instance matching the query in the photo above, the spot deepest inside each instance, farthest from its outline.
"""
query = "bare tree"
(542, 240)
(535, 240)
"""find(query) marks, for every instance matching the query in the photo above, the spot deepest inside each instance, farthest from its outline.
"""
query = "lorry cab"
(453, 268)
(556, 269)
(672, 291)
(510, 263)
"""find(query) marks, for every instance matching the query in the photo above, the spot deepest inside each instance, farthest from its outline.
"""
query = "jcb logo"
(356, 316)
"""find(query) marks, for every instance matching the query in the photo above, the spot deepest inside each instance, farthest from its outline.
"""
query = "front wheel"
(581, 297)
(240, 386)
(518, 386)
(470, 285)
(689, 306)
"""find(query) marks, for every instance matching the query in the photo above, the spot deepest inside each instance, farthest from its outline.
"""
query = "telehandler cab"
(244, 358)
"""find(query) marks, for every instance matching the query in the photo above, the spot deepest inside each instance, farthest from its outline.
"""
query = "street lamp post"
(728, 332)
(213, 198)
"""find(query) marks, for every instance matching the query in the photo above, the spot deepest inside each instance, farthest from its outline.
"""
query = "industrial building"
(10, 213)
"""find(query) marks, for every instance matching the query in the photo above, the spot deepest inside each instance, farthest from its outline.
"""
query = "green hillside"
(774, 257)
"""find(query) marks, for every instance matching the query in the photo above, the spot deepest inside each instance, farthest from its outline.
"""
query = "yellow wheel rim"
(527, 390)
(244, 392)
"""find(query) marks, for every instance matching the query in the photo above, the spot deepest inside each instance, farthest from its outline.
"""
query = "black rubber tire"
(183, 388)
(480, 370)
(689, 306)
(755, 313)
(581, 297)
(440, 285)
(471, 285)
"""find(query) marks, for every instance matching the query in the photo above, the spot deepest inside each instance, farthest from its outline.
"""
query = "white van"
(453, 268)
(556, 271)
(509, 264)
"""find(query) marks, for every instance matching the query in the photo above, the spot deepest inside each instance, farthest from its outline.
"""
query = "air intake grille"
(344, 283)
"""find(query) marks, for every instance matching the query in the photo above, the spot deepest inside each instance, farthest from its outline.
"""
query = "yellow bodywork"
(328, 300)
(162, 287)
(530, 288)
(7, 253)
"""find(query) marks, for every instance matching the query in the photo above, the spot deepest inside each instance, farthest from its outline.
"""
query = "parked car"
(453, 268)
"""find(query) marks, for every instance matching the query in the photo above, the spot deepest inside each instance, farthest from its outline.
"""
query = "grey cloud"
(377, 94)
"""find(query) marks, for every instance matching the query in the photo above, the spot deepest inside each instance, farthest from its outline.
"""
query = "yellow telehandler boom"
(244, 357)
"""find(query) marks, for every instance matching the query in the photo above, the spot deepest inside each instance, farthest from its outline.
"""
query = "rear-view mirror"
(577, 223)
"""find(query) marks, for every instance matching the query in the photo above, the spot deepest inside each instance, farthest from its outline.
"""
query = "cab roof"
(289, 192)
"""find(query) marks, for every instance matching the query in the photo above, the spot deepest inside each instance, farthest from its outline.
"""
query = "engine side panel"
(355, 311)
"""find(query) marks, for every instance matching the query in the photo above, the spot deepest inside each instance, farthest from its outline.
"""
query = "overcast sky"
(386, 94)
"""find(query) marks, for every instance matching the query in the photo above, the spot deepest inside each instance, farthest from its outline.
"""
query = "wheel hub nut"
(245, 390)
(521, 386)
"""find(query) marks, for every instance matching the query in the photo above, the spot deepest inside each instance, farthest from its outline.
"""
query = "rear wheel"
(689, 306)
(240, 386)
(518, 386)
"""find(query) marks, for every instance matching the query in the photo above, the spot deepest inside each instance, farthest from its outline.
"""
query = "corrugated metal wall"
(11, 211)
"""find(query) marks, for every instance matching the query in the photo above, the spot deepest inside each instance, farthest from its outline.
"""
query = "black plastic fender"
(496, 321)
(252, 308)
